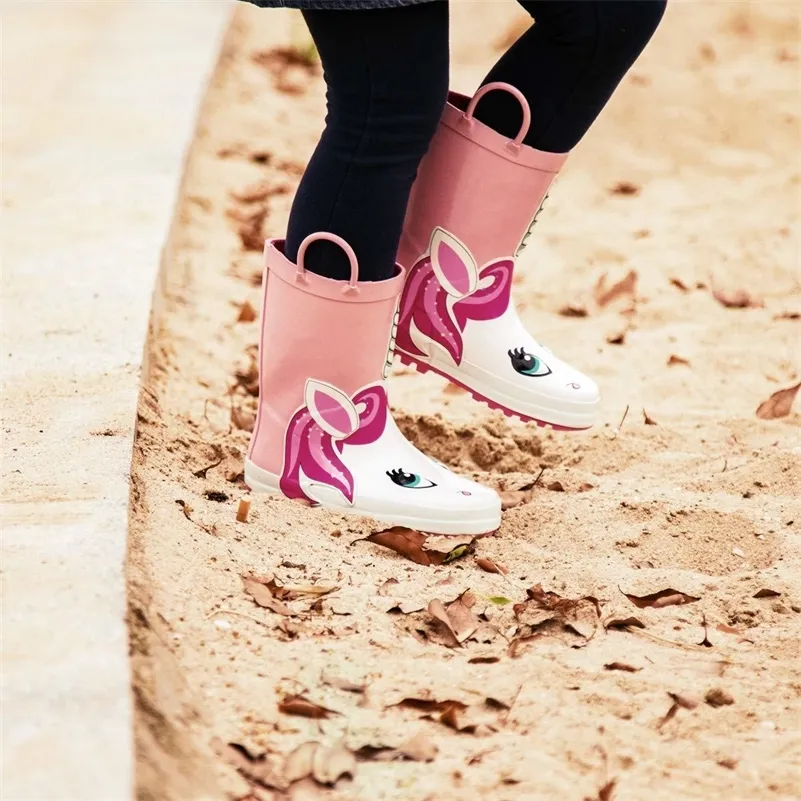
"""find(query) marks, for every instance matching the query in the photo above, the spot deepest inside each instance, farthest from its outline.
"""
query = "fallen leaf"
(302, 707)
(483, 660)
(673, 360)
(649, 421)
(606, 793)
(717, 697)
(623, 623)
(778, 404)
(657, 600)
(260, 192)
(342, 684)
(626, 286)
(684, 701)
(618, 338)
(247, 314)
(730, 764)
(586, 487)
(546, 613)
(409, 543)
(498, 600)
(766, 593)
(625, 188)
(445, 712)
(512, 498)
(457, 617)
(242, 420)
(490, 567)
(788, 315)
(263, 597)
(556, 486)
(679, 284)
(735, 299)
(243, 510)
(253, 768)
(291, 592)
(250, 228)
(573, 311)
(621, 666)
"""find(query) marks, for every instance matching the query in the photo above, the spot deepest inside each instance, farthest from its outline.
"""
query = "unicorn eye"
(409, 480)
(528, 364)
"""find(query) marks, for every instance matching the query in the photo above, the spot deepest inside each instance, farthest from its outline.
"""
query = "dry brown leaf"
(623, 623)
(446, 712)
(626, 286)
(618, 338)
(260, 192)
(673, 360)
(483, 660)
(491, 567)
(626, 668)
(573, 310)
(257, 769)
(735, 299)
(388, 587)
(546, 613)
(263, 597)
(586, 487)
(242, 420)
(342, 684)
(649, 421)
(778, 404)
(717, 697)
(685, 701)
(243, 510)
(657, 600)
(250, 228)
(556, 486)
(679, 284)
(409, 543)
(457, 617)
(625, 188)
(606, 793)
(247, 314)
(302, 707)
(766, 593)
(512, 498)
(788, 315)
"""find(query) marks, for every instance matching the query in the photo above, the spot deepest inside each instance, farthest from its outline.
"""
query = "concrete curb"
(100, 100)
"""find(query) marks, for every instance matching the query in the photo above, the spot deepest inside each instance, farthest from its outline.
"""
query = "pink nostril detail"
(464, 492)
(574, 386)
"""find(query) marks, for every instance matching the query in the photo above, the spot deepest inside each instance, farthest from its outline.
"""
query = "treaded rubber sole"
(422, 367)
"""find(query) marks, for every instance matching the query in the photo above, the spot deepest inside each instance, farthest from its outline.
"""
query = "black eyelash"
(397, 473)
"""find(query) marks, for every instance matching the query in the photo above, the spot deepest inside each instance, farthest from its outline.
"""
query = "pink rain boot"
(323, 430)
(475, 200)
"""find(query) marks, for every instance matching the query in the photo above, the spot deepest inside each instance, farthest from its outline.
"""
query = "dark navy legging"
(386, 73)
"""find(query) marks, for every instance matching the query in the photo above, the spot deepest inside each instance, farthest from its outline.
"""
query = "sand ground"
(690, 179)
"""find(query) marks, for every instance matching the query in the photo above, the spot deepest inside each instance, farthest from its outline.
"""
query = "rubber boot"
(475, 200)
(323, 431)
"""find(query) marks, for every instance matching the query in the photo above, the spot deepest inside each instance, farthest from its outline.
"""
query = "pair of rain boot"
(323, 431)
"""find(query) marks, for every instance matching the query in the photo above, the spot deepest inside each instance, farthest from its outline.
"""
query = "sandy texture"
(690, 179)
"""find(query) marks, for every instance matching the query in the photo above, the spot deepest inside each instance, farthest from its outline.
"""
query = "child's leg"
(387, 77)
(567, 65)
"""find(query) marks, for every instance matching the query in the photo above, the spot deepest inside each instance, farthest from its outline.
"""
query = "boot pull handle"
(300, 275)
(514, 144)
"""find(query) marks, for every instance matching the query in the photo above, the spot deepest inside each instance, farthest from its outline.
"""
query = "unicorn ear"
(454, 266)
(331, 409)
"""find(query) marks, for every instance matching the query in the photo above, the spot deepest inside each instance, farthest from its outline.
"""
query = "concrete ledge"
(99, 102)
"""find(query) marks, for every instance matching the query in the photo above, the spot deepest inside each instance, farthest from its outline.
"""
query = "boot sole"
(423, 367)
(263, 482)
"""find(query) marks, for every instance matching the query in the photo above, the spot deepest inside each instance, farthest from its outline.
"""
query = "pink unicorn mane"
(314, 452)
(425, 296)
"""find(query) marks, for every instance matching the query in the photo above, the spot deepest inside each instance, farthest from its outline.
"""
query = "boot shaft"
(336, 333)
(479, 186)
